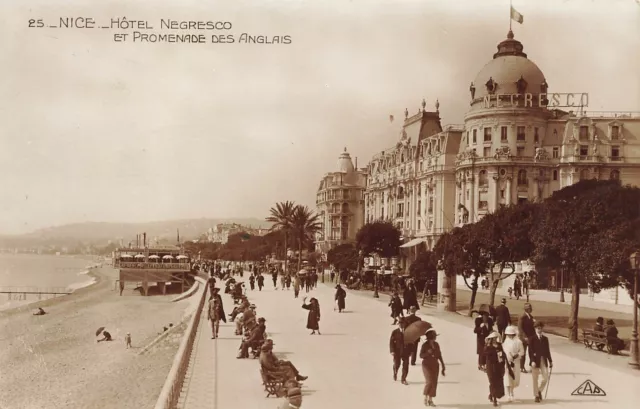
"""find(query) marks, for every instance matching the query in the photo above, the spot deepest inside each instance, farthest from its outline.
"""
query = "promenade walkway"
(349, 365)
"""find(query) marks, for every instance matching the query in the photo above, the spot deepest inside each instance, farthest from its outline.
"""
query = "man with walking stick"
(541, 362)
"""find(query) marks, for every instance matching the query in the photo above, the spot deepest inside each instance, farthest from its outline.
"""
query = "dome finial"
(424, 104)
(406, 113)
(437, 106)
(510, 35)
(345, 148)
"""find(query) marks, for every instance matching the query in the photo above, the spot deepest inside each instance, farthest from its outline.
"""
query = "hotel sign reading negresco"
(528, 100)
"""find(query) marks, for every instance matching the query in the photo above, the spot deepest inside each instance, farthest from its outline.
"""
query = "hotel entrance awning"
(413, 242)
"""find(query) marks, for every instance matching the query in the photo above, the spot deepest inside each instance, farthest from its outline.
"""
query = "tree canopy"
(380, 237)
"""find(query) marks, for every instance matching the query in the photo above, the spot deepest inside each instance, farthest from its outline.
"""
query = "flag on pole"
(515, 16)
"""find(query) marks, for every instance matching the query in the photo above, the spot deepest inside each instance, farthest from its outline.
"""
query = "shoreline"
(87, 287)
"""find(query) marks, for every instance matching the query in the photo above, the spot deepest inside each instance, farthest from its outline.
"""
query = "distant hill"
(96, 232)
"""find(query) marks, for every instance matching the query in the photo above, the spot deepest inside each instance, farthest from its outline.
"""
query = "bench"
(273, 384)
(592, 338)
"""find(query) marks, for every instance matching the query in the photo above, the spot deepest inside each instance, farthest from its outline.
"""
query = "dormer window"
(521, 84)
(491, 86)
(584, 133)
(615, 133)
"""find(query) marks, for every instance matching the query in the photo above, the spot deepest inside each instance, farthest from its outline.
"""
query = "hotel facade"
(515, 146)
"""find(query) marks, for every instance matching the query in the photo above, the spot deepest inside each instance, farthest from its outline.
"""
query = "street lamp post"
(634, 359)
(564, 263)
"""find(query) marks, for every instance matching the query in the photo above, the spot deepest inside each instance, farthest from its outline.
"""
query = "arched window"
(615, 175)
(584, 174)
(522, 178)
(400, 192)
(345, 208)
(335, 208)
(482, 178)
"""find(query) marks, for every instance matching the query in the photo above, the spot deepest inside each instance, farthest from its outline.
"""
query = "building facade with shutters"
(339, 202)
(514, 146)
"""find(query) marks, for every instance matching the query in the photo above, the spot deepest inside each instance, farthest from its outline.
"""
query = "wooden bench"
(273, 384)
(592, 338)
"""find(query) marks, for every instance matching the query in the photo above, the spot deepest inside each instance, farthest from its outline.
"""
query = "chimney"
(356, 163)
(144, 242)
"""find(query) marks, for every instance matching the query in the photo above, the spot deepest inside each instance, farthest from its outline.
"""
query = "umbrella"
(154, 256)
(302, 272)
(485, 309)
(167, 257)
(99, 331)
(181, 257)
(139, 255)
(126, 256)
(231, 280)
(415, 330)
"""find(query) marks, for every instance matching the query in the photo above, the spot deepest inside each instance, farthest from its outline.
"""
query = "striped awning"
(413, 242)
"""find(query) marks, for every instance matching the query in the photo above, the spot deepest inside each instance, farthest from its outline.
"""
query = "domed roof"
(345, 165)
(509, 72)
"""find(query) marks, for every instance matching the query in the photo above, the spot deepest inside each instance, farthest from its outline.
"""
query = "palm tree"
(304, 226)
(281, 216)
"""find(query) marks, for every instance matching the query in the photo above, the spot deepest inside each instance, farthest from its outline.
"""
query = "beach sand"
(53, 361)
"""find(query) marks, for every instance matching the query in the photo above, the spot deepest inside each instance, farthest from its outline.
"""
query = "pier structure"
(147, 265)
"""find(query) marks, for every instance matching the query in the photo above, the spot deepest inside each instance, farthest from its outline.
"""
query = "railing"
(172, 388)
(609, 114)
(156, 266)
(20, 293)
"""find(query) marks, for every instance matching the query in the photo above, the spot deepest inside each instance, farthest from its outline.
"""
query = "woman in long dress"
(496, 362)
(431, 358)
(341, 294)
(483, 327)
(313, 319)
(514, 349)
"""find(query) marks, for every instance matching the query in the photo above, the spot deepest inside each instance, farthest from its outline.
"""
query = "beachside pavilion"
(149, 265)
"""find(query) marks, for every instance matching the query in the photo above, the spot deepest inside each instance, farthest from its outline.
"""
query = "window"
(615, 152)
(522, 200)
(400, 193)
(419, 207)
(483, 205)
(400, 209)
(419, 227)
(430, 205)
(382, 214)
(475, 132)
(522, 178)
(520, 132)
(555, 153)
(486, 151)
(584, 174)
(615, 175)
(555, 175)
(535, 134)
(615, 133)
(520, 151)
(584, 150)
(503, 134)
(487, 134)
(482, 178)
(584, 133)
(466, 139)
(501, 193)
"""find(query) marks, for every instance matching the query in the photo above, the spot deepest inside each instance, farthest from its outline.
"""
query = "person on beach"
(106, 336)
(431, 360)
(341, 294)
(313, 319)
(127, 340)
(40, 311)
(513, 349)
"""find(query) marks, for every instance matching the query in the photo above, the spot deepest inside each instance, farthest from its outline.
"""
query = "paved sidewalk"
(349, 365)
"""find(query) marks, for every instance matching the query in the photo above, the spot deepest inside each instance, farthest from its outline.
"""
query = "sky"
(97, 130)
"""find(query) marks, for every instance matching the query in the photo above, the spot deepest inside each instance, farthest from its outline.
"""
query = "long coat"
(396, 306)
(313, 318)
(341, 294)
(496, 364)
(410, 298)
(396, 342)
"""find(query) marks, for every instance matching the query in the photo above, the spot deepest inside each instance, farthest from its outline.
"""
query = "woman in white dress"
(514, 349)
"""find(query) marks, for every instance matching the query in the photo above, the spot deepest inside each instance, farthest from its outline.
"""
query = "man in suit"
(503, 317)
(408, 320)
(396, 347)
(541, 362)
(526, 331)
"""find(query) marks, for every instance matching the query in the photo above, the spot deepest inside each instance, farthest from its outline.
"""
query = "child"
(510, 290)
(127, 340)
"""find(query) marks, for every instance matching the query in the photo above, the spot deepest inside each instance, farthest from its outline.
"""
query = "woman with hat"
(313, 319)
(613, 341)
(341, 294)
(496, 362)
(514, 349)
(396, 307)
(431, 358)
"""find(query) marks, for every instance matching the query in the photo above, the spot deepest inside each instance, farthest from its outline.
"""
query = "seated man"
(273, 365)
(247, 320)
(612, 337)
(599, 325)
(254, 340)
(241, 308)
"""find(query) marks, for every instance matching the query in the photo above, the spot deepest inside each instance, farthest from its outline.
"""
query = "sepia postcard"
(352, 204)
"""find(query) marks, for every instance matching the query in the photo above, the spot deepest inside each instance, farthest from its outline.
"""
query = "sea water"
(66, 273)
